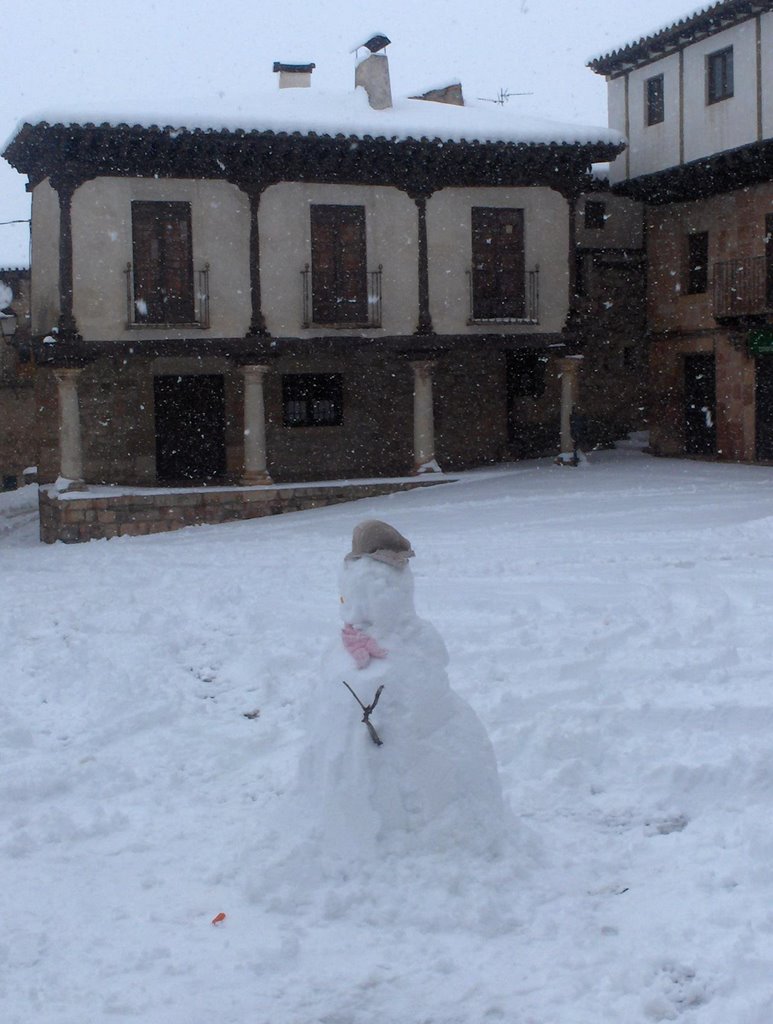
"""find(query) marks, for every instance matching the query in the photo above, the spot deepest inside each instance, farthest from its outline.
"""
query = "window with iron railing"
(370, 311)
(697, 268)
(312, 399)
(742, 287)
(524, 311)
(139, 313)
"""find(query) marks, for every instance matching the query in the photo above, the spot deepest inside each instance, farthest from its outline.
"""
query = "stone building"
(696, 104)
(323, 292)
(18, 447)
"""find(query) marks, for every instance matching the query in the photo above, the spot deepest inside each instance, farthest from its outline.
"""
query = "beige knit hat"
(380, 541)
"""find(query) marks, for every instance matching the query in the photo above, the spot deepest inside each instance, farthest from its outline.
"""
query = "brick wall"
(73, 519)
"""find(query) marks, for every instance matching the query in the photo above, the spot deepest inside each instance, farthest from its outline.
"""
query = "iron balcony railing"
(374, 302)
(137, 310)
(525, 311)
(742, 287)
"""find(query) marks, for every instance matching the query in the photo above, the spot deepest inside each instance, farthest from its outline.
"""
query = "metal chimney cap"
(376, 43)
(299, 68)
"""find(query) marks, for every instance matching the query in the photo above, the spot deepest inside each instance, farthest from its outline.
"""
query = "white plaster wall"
(618, 169)
(44, 285)
(391, 233)
(766, 26)
(449, 227)
(711, 128)
(653, 147)
(102, 247)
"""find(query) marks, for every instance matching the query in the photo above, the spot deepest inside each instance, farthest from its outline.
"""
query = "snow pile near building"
(610, 629)
(18, 508)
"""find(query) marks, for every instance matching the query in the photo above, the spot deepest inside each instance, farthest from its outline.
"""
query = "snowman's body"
(433, 783)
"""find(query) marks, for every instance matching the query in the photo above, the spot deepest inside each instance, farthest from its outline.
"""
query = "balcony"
(372, 319)
(742, 287)
(190, 311)
(508, 309)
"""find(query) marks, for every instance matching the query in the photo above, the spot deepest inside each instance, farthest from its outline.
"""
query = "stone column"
(423, 418)
(569, 368)
(70, 448)
(255, 463)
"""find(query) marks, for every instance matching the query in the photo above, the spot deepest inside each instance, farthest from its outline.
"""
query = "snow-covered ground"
(610, 625)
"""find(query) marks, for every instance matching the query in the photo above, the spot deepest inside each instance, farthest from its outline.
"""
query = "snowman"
(397, 762)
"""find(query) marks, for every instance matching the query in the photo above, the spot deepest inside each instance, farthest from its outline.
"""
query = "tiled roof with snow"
(310, 111)
(706, 21)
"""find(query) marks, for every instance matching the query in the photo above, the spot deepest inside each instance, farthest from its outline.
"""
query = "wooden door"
(498, 264)
(190, 428)
(163, 263)
(763, 408)
(700, 404)
(338, 265)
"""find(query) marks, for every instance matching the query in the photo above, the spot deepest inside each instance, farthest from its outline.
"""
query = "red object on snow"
(218, 918)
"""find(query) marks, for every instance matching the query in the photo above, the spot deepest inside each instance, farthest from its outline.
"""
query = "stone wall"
(72, 518)
(18, 445)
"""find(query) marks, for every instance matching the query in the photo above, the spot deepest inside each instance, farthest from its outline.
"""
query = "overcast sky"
(165, 56)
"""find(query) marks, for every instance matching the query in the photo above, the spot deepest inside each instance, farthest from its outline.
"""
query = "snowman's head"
(381, 542)
(376, 596)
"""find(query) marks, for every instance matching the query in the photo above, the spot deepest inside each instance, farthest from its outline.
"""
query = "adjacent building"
(18, 445)
(695, 102)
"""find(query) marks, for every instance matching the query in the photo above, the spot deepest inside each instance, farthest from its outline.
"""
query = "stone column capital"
(257, 370)
(68, 375)
(423, 367)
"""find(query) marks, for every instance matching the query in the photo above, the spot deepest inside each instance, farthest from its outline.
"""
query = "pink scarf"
(361, 646)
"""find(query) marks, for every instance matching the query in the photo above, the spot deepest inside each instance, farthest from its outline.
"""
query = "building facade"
(696, 104)
(18, 443)
(277, 302)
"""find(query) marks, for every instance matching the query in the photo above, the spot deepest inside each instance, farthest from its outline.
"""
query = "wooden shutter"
(163, 263)
(498, 264)
(338, 265)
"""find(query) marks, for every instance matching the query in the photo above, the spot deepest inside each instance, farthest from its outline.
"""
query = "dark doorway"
(525, 380)
(190, 428)
(700, 404)
(763, 409)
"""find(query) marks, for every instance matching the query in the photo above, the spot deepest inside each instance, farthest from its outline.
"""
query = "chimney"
(448, 94)
(372, 74)
(294, 76)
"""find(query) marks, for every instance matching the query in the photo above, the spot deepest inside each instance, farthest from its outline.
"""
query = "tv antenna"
(503, 96)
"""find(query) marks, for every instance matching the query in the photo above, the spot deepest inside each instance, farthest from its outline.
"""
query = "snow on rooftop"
(314, 111)
(690, 13)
